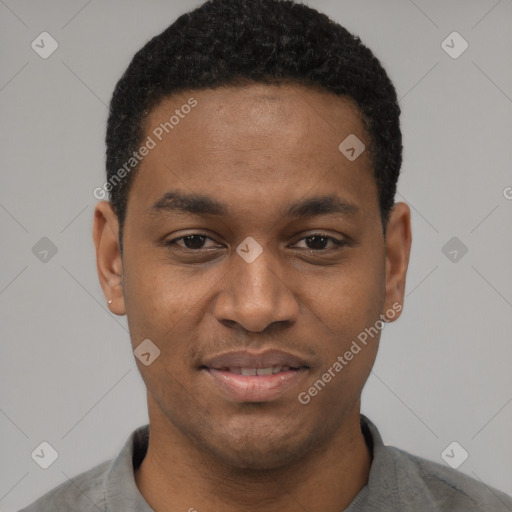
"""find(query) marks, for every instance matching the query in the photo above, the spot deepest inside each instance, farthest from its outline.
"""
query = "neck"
(177, 476)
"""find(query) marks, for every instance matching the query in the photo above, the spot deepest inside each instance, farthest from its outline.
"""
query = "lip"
(248, 359)
(255, 388)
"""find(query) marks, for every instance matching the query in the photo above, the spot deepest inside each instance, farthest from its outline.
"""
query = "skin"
(258, 149)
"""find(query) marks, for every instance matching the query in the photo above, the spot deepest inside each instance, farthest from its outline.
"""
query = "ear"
(108, 256)
(398, 249)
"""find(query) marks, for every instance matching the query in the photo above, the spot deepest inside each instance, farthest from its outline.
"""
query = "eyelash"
(338, 244)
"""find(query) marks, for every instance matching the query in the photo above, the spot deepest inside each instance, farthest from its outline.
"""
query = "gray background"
(68, 376)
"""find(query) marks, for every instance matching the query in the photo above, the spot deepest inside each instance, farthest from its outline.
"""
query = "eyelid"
(174, 240)
(337, 242)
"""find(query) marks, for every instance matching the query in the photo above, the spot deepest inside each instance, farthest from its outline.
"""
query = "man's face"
(260, 153)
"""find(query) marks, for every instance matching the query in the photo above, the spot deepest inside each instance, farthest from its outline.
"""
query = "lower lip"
(252, 388)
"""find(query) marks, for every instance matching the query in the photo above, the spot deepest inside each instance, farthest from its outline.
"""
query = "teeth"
(264, 371)
(271, 370)
(248, 371)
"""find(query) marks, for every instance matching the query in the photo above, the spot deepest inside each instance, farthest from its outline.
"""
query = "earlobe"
(108, 256)
(398, 248)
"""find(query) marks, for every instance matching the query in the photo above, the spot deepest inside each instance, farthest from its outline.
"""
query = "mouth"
(249, 377)
(271, 370)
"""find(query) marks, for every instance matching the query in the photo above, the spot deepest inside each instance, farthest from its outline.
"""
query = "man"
(252, 240)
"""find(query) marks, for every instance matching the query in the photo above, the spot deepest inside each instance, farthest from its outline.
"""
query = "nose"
(255, 296)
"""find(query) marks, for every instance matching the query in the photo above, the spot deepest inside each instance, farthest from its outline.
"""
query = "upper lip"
(247, 359)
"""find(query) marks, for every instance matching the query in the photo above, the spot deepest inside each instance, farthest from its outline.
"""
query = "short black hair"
(236, 42)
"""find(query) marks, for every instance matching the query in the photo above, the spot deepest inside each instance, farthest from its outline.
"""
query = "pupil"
(193, 245)
(323, 238)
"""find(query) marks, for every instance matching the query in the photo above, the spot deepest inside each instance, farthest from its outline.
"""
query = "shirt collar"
(122, 493)
(380, 492)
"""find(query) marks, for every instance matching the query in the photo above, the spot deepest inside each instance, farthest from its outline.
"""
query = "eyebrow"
(197, 204)
(323, 205)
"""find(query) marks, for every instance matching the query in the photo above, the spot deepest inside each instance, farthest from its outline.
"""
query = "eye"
(318, 242)
(314, 242)
(192, 242)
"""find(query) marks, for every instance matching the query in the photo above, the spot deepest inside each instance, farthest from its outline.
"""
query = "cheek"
(352, 296)
(348, 308)
(350, 329)
(166, 305)
(160, 308)
(155, 292)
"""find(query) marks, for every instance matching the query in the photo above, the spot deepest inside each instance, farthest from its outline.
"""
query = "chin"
(258, 458)
(261, 450)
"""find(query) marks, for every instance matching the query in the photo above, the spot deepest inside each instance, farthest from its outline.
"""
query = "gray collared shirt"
(398, 481)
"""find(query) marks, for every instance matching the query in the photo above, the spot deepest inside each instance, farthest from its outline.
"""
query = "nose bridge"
(258, 280)
(255, 295)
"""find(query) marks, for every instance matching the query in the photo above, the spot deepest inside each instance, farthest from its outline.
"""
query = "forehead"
(255, 143)
(289, 112)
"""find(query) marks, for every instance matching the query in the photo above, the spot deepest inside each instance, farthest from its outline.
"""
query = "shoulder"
(84, 492)
(444, 487)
